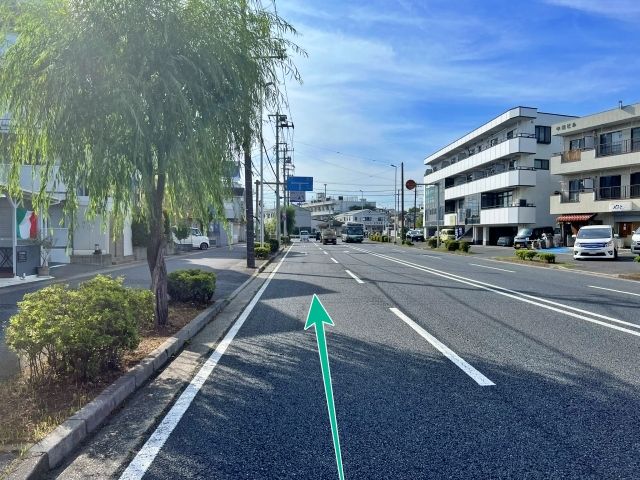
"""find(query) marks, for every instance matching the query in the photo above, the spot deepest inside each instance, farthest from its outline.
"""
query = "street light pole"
(395, 203)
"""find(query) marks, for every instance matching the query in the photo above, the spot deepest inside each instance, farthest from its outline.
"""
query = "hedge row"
(450, 245)
(531, 254)
(79, 333)
(378, 237)
(191, 285)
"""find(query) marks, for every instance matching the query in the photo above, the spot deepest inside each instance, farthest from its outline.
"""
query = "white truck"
(195, 238)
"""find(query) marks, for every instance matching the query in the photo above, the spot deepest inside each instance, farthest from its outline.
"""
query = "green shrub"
(637, 258)
(547, 257)
(432, 242)
(530, 254)
(285, 240)
(191, 285)
(79, 333)
(407, 242)
(385, 238)
(262, 252)
(274, 245)
(521, 254)
(139, 233)
(453, 245)
(465, 247)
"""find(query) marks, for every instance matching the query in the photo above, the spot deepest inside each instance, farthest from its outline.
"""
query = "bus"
(352, 232)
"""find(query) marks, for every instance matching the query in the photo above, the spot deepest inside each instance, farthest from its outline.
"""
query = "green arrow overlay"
(317, 317)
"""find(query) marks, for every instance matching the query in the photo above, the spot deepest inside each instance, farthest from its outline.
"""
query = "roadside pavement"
(229, 264)
(623, 265)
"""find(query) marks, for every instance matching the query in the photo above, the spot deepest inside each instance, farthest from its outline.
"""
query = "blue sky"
(394, 80)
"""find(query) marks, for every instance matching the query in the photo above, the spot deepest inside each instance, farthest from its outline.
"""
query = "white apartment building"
(325, 207)
(599, 165)
(496, 178)
(373, 220)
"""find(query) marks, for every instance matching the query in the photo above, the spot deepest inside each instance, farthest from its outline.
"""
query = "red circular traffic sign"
(410, 184)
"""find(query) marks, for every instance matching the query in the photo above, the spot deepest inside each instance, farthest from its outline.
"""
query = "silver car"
(635, 242)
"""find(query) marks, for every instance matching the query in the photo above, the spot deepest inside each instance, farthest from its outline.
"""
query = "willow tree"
(147, 103)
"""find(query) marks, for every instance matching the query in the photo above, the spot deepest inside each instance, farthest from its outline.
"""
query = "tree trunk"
(155, 254)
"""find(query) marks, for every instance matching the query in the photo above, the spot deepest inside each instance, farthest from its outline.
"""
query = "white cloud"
(628, 10)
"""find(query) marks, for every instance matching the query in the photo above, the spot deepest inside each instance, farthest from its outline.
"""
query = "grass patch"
(29, 411)
(630, 276)
(536, 261)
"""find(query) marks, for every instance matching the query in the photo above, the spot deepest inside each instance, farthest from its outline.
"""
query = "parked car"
(527, 235)
(447, 234)
(595, 241)
(506, 241)
(196, 239)
(304, 236)
(329, 236)
(415, 235)
(635, 242)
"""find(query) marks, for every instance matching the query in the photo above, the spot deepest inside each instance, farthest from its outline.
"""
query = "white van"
(196, 239)
(595, 241)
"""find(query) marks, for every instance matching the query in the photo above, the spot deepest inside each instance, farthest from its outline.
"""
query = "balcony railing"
(490, 172)
(508, 205)
(572, 196)
(618, 148)
(572, 155)
(618, 193)
(469, 152)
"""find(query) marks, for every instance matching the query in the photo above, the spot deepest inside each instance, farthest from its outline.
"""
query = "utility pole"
(415, 206)
(258, 204)
(281, 122)
(402, 201)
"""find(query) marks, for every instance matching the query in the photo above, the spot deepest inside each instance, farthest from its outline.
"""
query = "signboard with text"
(297, 197)
(300, 184)
(620, 206)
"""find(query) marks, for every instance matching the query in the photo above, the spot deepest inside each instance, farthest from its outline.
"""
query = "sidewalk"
(229, 264)
(624, 264)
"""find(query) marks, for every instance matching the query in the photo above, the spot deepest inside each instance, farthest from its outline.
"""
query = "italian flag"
(26, 223)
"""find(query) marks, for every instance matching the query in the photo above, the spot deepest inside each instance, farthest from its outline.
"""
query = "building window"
(494, 142)
(510, 134)
(543, 134)
(576, 144)
(541, 164)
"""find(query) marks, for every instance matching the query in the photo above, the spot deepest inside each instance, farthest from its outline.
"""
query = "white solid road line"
(334, 260)
(479, 378)
(492, 268)
(354, 277)
(142, 461)
(612, 290)
(522, 297)
(431, 256)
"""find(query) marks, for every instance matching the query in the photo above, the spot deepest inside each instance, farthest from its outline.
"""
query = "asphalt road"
(536, 374)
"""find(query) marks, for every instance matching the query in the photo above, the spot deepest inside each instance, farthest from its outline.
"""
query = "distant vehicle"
(196, 239)
(595, 241)
(447, 234)
(527, 235)
(318, 235)
(505, 241)
(416, 235)
(352, 232)
(304, 236)
(635, 242)
(329, 236)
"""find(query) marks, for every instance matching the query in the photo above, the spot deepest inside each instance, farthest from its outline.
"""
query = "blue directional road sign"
(300, 184)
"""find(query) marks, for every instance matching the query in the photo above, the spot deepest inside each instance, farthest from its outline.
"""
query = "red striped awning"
(584, 217)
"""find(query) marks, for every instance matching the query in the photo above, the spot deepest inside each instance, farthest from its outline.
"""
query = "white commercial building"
(496, 178)
(599, 165)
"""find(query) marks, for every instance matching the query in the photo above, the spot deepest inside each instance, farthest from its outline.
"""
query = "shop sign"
(620, 206)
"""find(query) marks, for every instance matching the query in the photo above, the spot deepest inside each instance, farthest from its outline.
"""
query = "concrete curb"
(55, 447)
